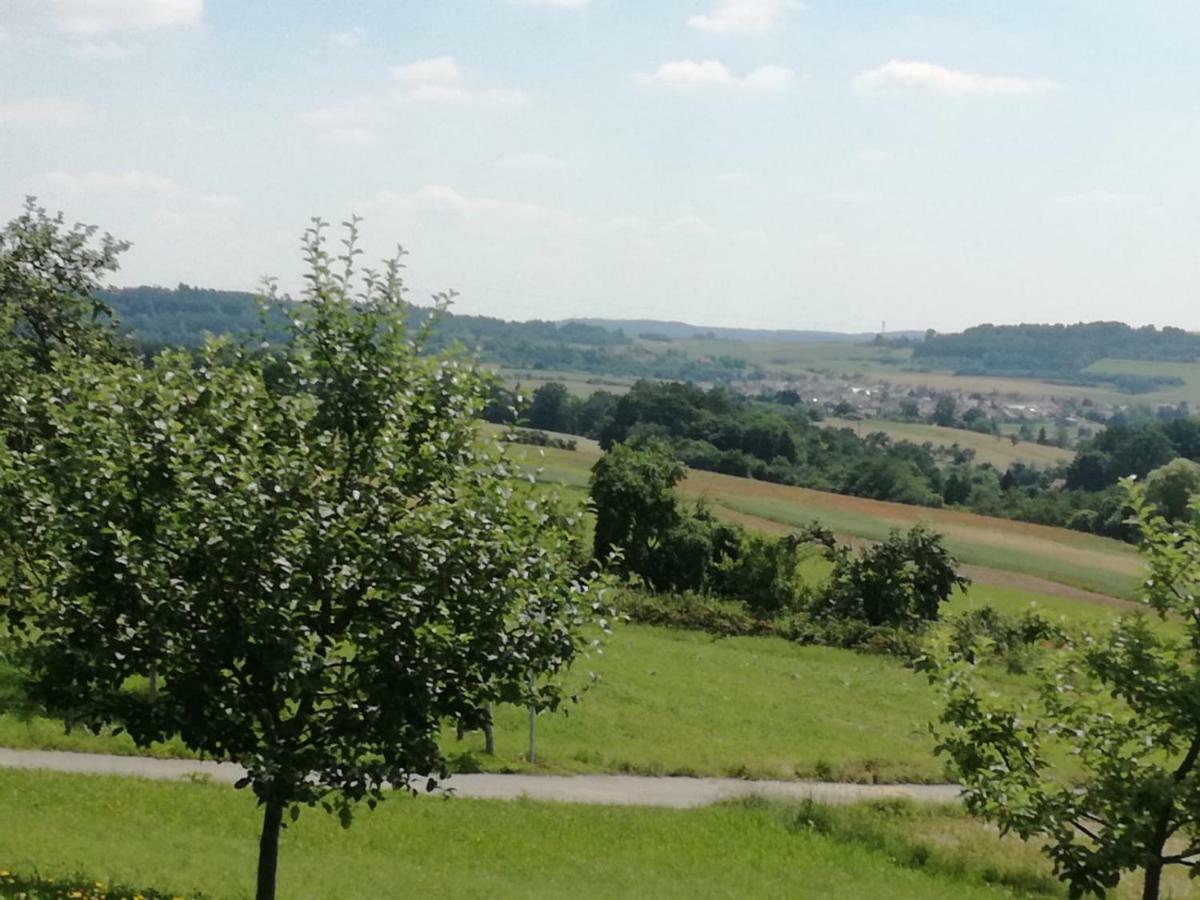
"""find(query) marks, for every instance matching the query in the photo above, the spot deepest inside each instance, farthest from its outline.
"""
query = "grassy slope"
(680, 702)
(203, 839)
(999, 451)
(1057, 554)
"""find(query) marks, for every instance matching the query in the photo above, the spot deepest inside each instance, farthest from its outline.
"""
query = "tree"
(945, 411)
(306, 544)
(901, 581)
(1124, 705)
(1171, 487)
(550, 408)
(49, 277)
(633, 495)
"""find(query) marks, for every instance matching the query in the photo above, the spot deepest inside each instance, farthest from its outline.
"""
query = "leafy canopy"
(1124, 707)
(306, 546)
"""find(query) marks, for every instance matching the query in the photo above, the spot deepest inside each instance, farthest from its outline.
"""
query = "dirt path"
(615, 790)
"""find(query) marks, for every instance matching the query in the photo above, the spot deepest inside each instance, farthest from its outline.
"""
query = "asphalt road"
(616, 790)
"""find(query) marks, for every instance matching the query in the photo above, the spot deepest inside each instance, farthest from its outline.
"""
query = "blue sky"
(731, 162)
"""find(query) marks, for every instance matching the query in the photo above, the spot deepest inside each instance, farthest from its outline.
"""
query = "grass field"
(193, 838)
(999, 451)
(1189, 373)
(672, 702)
(1056, 554)
(186, 839)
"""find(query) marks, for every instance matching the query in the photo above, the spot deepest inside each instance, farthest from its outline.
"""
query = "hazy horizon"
(760, 164)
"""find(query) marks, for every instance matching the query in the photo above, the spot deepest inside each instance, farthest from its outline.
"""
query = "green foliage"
(35, 887)
(1124, 704)
(49, 275)
(985, 632)
(308, 551)
(550, 408)
(534, 438)
(1171, 487)
(633, 496)
(1054, 351)
(902, 581)
(698, 612)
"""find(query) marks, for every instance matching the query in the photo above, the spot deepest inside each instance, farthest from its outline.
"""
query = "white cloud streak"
(555, 4)
(709, 74)
(912, 77)
(348, 38)
(43, 111)
(742, 16)
(93, 17)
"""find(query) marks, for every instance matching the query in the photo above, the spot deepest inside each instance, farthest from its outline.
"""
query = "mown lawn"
(194, 838)
(679, 702)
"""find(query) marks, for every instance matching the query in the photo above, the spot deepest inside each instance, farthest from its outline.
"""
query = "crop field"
(185, 839)
(1056, 554)
(997, 450)
(578, 383)
(861, 362)
(1189, 373)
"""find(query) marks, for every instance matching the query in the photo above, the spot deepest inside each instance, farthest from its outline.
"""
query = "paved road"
(620, 790)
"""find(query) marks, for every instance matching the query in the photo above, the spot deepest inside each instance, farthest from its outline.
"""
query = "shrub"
(725, 618)
(536, 438)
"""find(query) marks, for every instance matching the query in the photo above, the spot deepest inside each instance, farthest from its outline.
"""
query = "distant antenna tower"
(884, 329)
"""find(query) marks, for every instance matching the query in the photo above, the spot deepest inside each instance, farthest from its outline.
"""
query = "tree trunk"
(268, 850)
(1152, 884)
(489, 737)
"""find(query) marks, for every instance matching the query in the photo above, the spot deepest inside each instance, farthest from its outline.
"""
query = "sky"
(756, 163)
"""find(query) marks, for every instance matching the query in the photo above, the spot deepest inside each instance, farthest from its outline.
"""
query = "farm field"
(205, 836)
(1189, 373)
(1055, 554)
(890, 364)
(999, 451)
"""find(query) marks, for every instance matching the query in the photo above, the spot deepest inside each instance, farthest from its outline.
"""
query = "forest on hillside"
(1059, 352)
(182, 316)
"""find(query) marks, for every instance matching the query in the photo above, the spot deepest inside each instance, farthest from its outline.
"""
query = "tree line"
(777, 439)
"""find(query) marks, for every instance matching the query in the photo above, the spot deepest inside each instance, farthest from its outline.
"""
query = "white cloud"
(124, 183)
(440, 79)
(856, 198)
(348, 37)
(531, 161)
(1101, 199)
(906, 76)
(438, 70)
(158, 195)
(356, 113)
(348, 136)
(742, 16)
(43, 111)
(692, 226)
(872, 155)
(555, 4)
(106, 50)
(90, 17)
(689, 74)
(442, 199)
